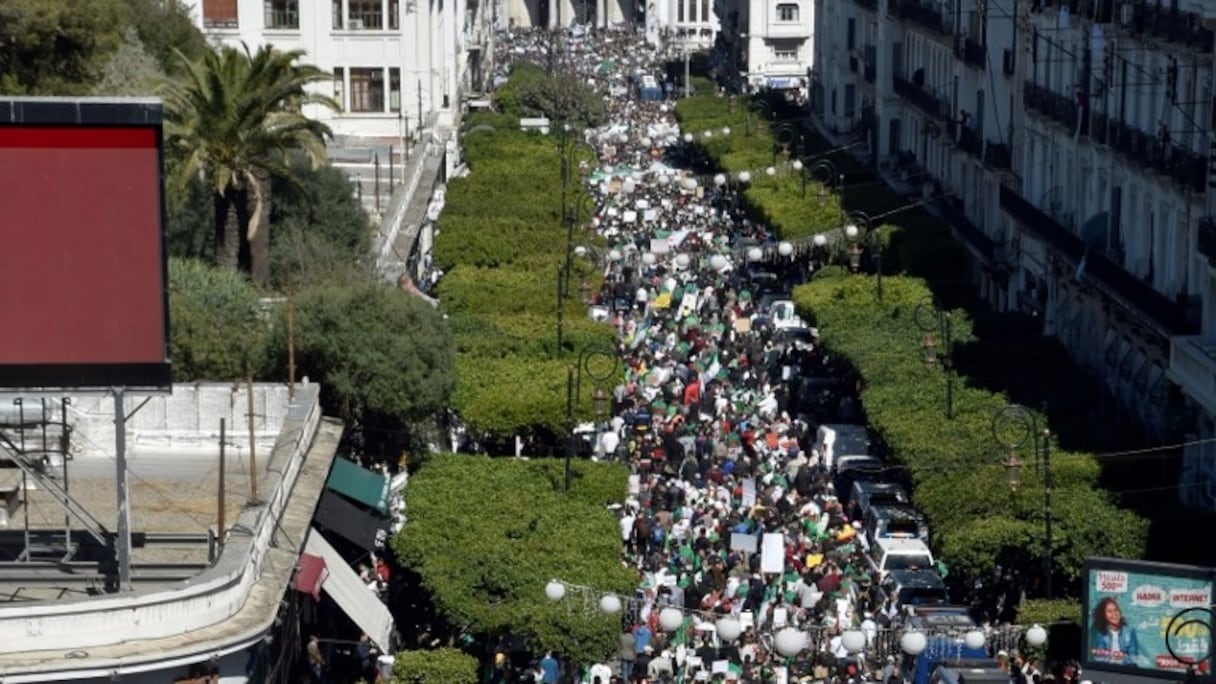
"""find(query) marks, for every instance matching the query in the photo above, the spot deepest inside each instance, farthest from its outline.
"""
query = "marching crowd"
(717, 412)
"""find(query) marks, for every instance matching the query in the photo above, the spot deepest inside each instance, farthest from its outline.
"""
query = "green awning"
(359, 484)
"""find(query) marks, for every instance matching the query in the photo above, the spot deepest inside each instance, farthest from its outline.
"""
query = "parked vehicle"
(887, 555)
(835, 440)
(946, 658)
(782, 315)
(852, 469)
(896, 521)
(916, 588)
(865, 495)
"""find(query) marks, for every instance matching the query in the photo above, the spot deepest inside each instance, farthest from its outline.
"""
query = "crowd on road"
(719, 415)
(718, 410)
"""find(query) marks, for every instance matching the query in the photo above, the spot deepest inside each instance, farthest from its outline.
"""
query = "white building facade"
(395, 63)
(1070, 145)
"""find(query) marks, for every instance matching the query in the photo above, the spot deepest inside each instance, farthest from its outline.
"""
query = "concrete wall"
(187, 419)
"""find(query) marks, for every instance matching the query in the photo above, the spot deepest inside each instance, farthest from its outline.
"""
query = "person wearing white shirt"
(600, 673)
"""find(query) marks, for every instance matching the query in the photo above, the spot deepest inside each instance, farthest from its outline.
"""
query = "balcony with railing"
(1180, 164)
(1165, 313)
(924, 16)
(1058, 108)
(973, 53)
(921, 98)
(1151, 19)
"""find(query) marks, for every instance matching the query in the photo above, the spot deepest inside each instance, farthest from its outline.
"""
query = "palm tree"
(235, 119)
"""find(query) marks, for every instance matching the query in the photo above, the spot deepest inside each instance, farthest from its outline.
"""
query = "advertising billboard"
(82, 262)
(1148, 619)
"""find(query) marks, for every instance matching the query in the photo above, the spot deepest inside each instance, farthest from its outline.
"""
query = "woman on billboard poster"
(1111, 639)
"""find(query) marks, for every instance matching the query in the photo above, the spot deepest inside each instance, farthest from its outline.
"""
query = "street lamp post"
(932, 320)
(568, 146)
(608, 364)
(1013, 426)
(860, 225)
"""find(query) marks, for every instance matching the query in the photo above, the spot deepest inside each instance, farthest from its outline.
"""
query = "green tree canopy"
(486, 535)
(373, 348)
(215, 320)
(439, 666)
(57, 47)
(956, 465)
(320, 229)
(236, 118)
(562, 96)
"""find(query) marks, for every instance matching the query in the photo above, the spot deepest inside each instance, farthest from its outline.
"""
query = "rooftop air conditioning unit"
(356, 24)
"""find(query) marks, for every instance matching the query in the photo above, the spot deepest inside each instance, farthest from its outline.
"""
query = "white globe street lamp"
(670, 619)
(729, 629)
(649, 258)
(682, 261)
(690, 183)
(820, 240)
(555, 590)
(772, 171)
(647, 142)
(790, 642)
(850, 231)
(720, 180)
(797, 164)
(610, 604)
(755, 254)
(913, 643)
(580, 251)
(1036, 636)
(854, 641)
(745, 176)
(718, 262)
(663, 179)
(785, 249)
(614, 255)
(688, 137)
(709, 134)
(974, 640)
(726, 130)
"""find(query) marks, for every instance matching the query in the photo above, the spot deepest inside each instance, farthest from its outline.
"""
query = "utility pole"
(253, 457)
(219, 494)
(1047, 546)
(291, 342)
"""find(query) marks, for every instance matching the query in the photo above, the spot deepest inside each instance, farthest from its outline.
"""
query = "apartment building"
(1068, 142)
(395, 63)
(565, 13)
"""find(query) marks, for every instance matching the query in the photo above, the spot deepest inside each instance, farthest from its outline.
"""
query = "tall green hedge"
(955, 465)
(501, 243)
(486, 535)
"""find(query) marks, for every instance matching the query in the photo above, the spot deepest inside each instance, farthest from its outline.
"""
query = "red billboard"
(82, 251)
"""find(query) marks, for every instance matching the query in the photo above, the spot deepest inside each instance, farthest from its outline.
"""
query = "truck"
(947, 659)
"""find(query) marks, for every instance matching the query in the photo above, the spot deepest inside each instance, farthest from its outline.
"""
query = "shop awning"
(310, 575)
(359, 484)
(354, 524)
(359, 603)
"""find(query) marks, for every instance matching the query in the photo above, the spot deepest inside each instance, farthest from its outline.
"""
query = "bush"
(216, 326)
(955, 465)
(486, 535)
(440, 666)
(501, 244)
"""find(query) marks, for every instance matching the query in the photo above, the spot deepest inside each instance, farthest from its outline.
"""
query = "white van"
(887, 554)
(841, 440)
